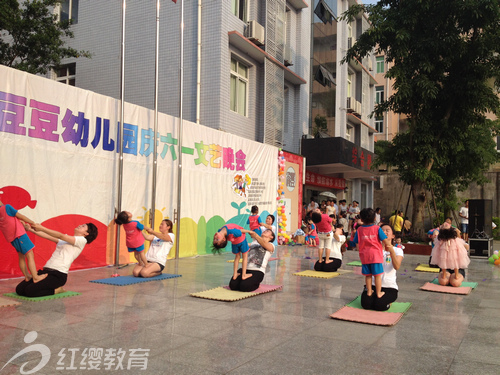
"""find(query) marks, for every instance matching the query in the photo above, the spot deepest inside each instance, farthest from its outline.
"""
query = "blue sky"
(369, 1)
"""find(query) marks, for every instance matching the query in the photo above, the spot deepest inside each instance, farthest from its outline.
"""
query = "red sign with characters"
(316, 179)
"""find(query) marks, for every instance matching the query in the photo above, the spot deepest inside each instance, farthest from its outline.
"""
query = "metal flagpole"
(155, 162)
(179, 170)
(120, 133)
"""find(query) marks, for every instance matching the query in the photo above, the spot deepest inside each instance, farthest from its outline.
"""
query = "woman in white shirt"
(161, 243)
(392, 261)
(57, 267)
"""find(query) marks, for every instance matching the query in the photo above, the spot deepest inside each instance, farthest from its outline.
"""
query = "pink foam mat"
(430, 287)
(380, 318)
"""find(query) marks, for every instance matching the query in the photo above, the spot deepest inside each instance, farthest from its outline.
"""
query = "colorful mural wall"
(59, 154)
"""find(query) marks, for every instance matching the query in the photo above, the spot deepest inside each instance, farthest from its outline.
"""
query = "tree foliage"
(31, 38)
(444, 58)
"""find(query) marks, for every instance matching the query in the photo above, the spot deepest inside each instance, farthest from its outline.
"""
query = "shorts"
(23, 244)
(258, 231)
(138, 249)
(372, 269)
(325, 240)
(162, 267)
(241, 247)
(465, 227)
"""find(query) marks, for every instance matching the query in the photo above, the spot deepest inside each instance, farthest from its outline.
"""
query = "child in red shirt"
(368, 239)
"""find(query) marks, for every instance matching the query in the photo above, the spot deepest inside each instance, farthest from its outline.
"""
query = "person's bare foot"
(39, 277)
(59, 290)
(380, 295)
(328, 261)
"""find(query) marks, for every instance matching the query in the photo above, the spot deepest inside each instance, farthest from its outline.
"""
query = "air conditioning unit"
(351, 103)
(357, 107)
(288, 55)
(255, 32)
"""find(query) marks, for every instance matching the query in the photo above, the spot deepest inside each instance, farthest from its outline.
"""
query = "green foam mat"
(355, 263)
(44, 298)
(464, 284)
(397, 307)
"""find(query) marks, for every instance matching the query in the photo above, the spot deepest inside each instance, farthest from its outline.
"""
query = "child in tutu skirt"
(450, 253)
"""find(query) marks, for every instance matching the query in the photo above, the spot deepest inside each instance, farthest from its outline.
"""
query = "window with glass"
(239, 9)
(239, 87)
(68, 10)
(379, 94)
(380, 64)
(66, 74)
(379, 124)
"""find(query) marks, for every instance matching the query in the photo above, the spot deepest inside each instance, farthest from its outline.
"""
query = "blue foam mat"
(127, 280)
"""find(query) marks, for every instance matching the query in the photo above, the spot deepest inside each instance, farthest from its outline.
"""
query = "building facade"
(342, 97)
(245, 62)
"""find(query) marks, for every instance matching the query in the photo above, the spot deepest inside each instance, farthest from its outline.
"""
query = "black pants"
(247, 285)
(46, 287)
(378, 304)
(328, 267)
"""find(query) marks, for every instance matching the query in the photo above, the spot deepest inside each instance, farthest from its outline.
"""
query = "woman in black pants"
(258, 255)
(57, 267)
(392, 262)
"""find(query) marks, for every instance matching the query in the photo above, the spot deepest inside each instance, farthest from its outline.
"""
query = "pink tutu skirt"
(450, 254)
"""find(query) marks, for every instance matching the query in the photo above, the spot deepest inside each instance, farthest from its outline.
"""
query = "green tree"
(31, 38)
(321, 125)
(443, 56)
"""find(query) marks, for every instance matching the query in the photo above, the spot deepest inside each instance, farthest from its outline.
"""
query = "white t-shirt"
(390, 274)
(65, 253)
(273, 229)
(354, 210)
(336, 251)
(465, 212)
(258, 257)
(330, 210)
(343, 208)
(159, 249)
(377, 219)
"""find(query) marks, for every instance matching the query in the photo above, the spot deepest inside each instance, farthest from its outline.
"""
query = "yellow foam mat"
(223, 293)
(426, 268)
(317, 274)
(232, 261)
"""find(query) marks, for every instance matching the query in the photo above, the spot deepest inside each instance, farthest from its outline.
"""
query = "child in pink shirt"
(368, 239)
(14, 232)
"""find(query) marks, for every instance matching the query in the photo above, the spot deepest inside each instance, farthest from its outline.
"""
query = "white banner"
(59, 147)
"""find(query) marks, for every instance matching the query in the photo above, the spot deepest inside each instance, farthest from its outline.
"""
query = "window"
(323, 12)
(239, 9)
(379, 94)
(239, 87)
(379, 124)
(66, 74)
(380, 64)
(349, 84)
(324, 77)
(68, 10)
(348, 133)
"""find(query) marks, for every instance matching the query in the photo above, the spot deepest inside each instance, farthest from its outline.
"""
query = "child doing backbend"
(368, 239)
(236, 235)
(135, 239)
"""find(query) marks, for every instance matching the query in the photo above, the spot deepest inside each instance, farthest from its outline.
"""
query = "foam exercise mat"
(396, 307)
(430, 287)
(426, 268)
(128, 280)
(232, 261)
(355, 263)
(341, 271)
(223, 293)
(465, 283)
(44, 298)
(5, 302)
(317, 274)
(380, 318)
